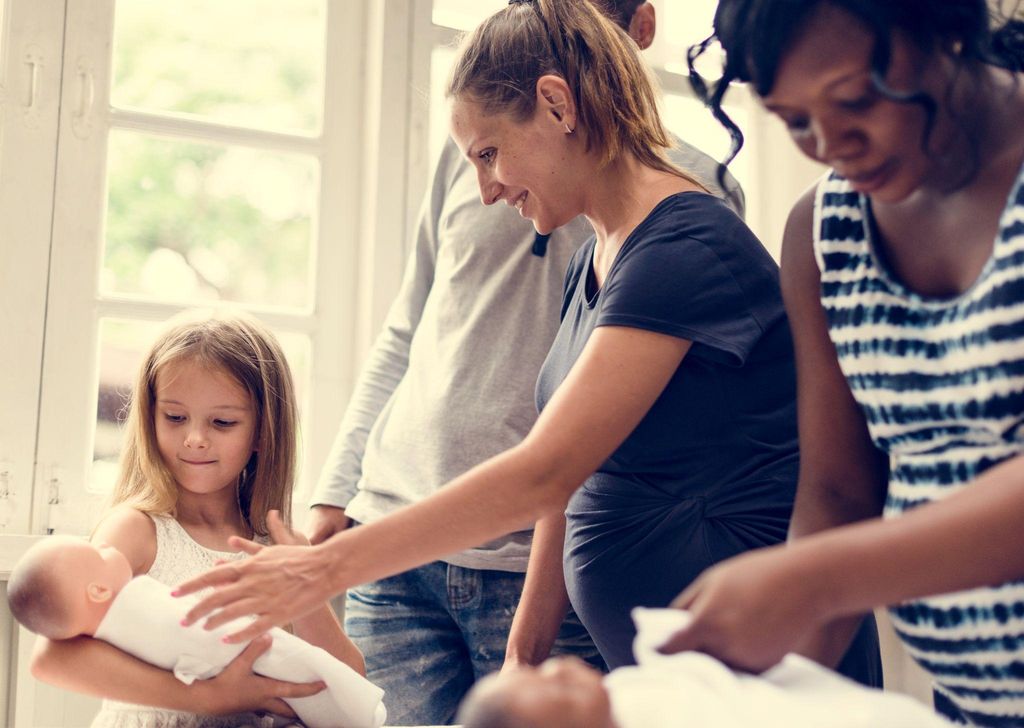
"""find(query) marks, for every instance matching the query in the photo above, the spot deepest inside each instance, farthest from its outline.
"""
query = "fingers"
(686, 596)
(252, 652)
(239, 605)
(255, 629)
(279, 532)
(218, 600)
(298, 690)
(243, 544)
(223, 574)
(682, 641)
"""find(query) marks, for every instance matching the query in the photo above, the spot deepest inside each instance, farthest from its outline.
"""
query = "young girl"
(903, 278)
(210, 454)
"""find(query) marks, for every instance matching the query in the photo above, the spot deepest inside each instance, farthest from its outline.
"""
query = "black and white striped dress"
(941, 384)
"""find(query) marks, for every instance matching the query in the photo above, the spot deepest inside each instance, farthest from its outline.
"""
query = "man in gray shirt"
(448, 384)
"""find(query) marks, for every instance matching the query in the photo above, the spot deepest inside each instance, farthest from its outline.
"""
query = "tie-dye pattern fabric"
(941, 384)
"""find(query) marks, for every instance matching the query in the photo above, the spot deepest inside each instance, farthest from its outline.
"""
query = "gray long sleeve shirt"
(450, 379)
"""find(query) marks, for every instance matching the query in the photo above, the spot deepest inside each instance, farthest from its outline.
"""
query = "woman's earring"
(568, 130)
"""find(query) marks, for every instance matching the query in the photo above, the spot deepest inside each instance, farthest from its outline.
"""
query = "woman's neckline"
(591, 291)
(200, 545)
(880, 260)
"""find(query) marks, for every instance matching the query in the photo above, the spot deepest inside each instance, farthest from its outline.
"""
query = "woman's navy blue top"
(711, 469)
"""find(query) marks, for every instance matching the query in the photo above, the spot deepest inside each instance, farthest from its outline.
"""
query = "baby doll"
(64, 587)
(687, 690)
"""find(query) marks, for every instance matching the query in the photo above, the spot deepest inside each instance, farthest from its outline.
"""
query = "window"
(200, 164)
(158, 156)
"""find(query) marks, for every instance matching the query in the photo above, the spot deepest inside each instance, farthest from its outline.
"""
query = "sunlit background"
(208, 221)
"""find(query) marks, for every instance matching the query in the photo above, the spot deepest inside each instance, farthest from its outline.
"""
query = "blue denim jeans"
(428, 634)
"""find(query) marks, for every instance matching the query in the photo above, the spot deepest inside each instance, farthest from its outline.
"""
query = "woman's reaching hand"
(751, 610)
(276, 585)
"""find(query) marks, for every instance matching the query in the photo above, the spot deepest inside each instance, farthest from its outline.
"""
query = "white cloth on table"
(691, 689)
(145, 621)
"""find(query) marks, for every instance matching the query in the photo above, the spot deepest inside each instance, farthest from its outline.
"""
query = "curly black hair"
(755, 33)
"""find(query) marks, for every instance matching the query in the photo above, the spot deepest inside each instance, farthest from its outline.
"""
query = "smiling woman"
(667, 394)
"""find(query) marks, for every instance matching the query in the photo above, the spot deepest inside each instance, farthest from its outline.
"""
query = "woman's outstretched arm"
(617, 378)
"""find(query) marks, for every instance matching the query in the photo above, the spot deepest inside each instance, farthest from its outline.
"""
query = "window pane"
(203, 222)
(680, 25)
(123, 343)
(255, 63)
(464, 14)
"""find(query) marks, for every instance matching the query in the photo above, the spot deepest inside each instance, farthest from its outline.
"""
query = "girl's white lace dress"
(178, 558)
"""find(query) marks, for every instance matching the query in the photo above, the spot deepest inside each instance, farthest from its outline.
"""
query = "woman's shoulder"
(695, 215)
(692, 226)
(131, 532)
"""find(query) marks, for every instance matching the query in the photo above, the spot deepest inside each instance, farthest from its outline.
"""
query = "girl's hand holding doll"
(237, 689)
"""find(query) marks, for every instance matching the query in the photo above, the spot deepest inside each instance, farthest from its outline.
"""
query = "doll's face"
(563, 692)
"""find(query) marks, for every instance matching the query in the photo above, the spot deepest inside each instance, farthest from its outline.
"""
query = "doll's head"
(560, 693)
(63, 586)
(241, 352)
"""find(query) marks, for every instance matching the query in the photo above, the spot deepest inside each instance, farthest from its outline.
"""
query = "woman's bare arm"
(544, 602)
(613, 384)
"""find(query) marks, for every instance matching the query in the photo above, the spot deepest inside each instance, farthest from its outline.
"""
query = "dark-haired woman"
(903, 273)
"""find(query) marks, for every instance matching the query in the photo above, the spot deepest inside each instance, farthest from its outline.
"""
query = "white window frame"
(52, 163)
(29, 104)
(74, 307)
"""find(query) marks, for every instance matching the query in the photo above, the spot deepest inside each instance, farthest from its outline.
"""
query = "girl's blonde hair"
(501, 61)
(244, 349)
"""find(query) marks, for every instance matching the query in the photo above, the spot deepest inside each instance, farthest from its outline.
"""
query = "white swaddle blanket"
(692, 690)
(145, 620)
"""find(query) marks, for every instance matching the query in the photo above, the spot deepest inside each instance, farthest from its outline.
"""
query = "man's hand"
(324, 522)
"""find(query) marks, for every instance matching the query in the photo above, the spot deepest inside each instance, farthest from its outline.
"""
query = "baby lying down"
(64, 587)
(688, 690)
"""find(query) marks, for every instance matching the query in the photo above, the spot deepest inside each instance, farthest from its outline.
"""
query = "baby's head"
(63, 586)
(561, 693)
